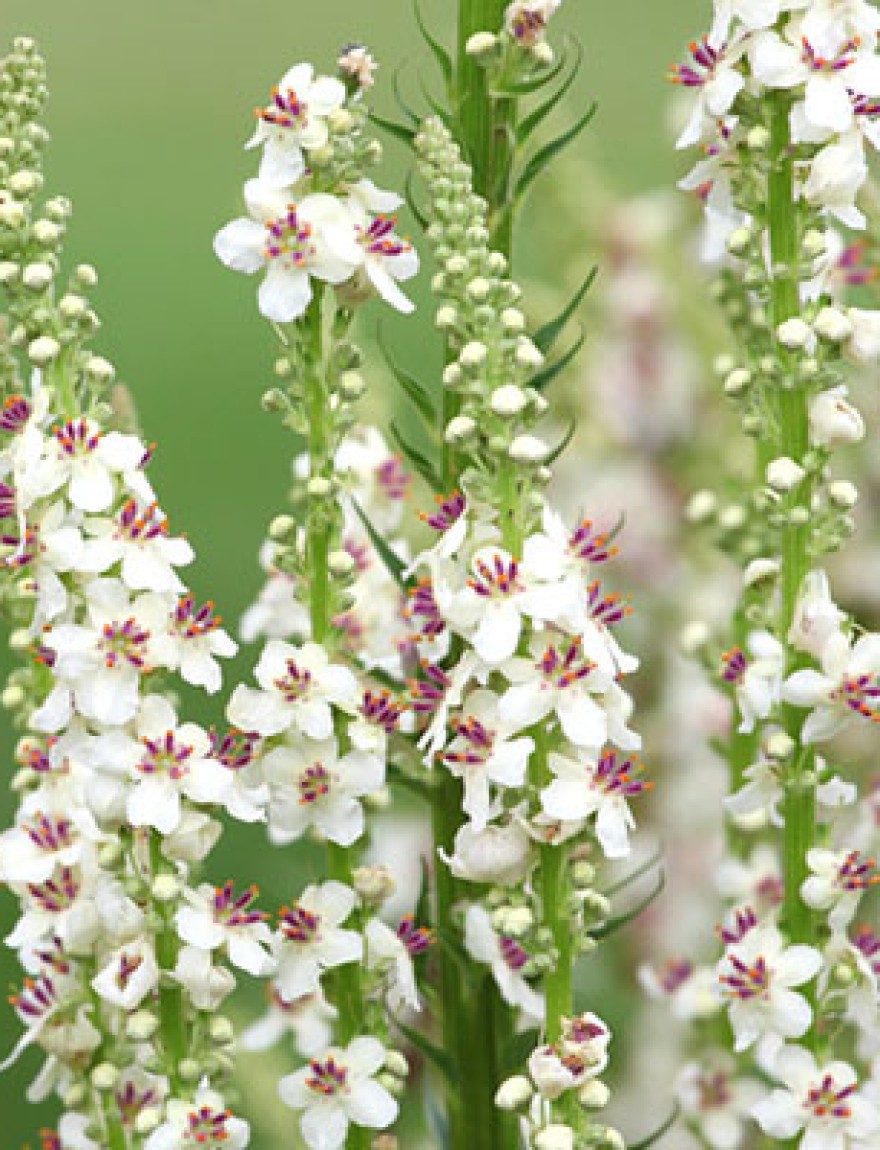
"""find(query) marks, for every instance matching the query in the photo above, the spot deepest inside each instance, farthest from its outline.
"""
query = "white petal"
(284, 295)
(241, 246)
(370, 1104)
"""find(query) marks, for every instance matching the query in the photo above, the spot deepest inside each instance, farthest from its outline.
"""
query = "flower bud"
(447, 317)
(374, 884)
(12, 697)
(165, 888)
(12, 213)
(738, 241)
(737, 381)
(25, 183)
(9, 271)
(189, 1070)
(528, 354)
(758, 139)
(555, 1137)
(482, 46)
(319, 487)
(813, 244)
(508, 400)
(732, 518)
(396, 1064)
(779, 746)
(43, 350)
(519, 921)
(141, 1026)
(352, 385)
(104, 1076)
(843, 494)
(478, 289)
(514, 1093)
(528, 450)
(594, 1095)
(701, 506)
(340, 120)
(47, 233)
(513, 319)
(473, 355)
(760, 571)
(100, 370)
(37, 276)
(784, 474)
(221, 1029)
(460, 429)
(832, 325)
(793, 333)
(147, 1120)
(833, 420)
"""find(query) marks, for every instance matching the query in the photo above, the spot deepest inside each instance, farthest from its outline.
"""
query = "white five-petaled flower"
(837, 883)
(300, 686)
(129, 975)
(309, 1018)
(847, 686)
(312, 785)
(836, 174)
(215, 917)
(758, 680)
(295, 120)
(87, 462)
(295, 242)
(205, 1121)
(716, 75)
(823, 1102)
(585, 787)
(310, 939)
(337, 1089)
(717, 1101)
(756, 975)
(505, 957)
(137, 539)
(482, 754)
(387, 953)
(388, 259)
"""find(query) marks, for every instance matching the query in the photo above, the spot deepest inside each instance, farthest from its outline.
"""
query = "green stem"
(799, 805)
(172, 1010)
(113, 1128)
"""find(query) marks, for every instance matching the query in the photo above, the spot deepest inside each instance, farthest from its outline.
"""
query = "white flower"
(338, 1089)
(506, 959)
(690, 991)
(387, 258)
(496, 854)
(130, 974)
(88, 461)
(822, 1101)
(751, 14)
(816, 616)
(198, 642)
(756, 975)
(31, 850)
(73, 1132)
(300, 688)
(838, 881)
(827, 24)
(388, 953)
(580, 1055)
(215, 917)
(716, 76)
(758, 680)
(526, 20)
(294, 242)
(848, 685)
(207, 985)
(99, 663)
(311, 785)
(295, 119)
(169, 763)
(717, 1101)
(836, 174)
(864, 344)
(204, 1121)
(482, 754)
(308, 1018)
(138, 539)
(310, 940)
(555, 1136)
(833, 421)
(582, 788)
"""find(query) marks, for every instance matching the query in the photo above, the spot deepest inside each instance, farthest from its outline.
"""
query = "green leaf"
(630, 878)
(423, 906)
(562, 444)
(444, 60)
(415, 786)
(440, 1058)
(416, 392)
(615, 924)
(456, 951)
(441, 112)
(410, 197)
(418, 459)
(546, 375)
(400, 131)
(654, 1138)
(393, 563)
(549, 152)
(545, 337)
(402, 103)
(515, 1053)
(534, 119)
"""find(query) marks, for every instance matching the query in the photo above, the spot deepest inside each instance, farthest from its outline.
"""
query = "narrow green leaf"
(455, 950)
(423, 906)
(630, 878)
(416, 392)
(563, 443)
(410, 197)
(402, 102)
(549, 152)
(653, 1139)
(444, 60)
(546, 336)
(615, 924)
(441, 112)
(418, 459)
(400, 131)
(440, 1058)
(534, 83)
(393, 563)
(515, 1053)
(546, 375)
(533, 121)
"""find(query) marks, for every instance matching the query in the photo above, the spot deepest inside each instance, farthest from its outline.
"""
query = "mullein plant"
(513, 721)
(786, 106)
(127, 964)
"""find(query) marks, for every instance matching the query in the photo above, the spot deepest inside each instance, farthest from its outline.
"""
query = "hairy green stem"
(793, 441)
(172, 1009)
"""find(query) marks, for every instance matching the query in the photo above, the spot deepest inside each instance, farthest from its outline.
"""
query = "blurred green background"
(150, 106)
